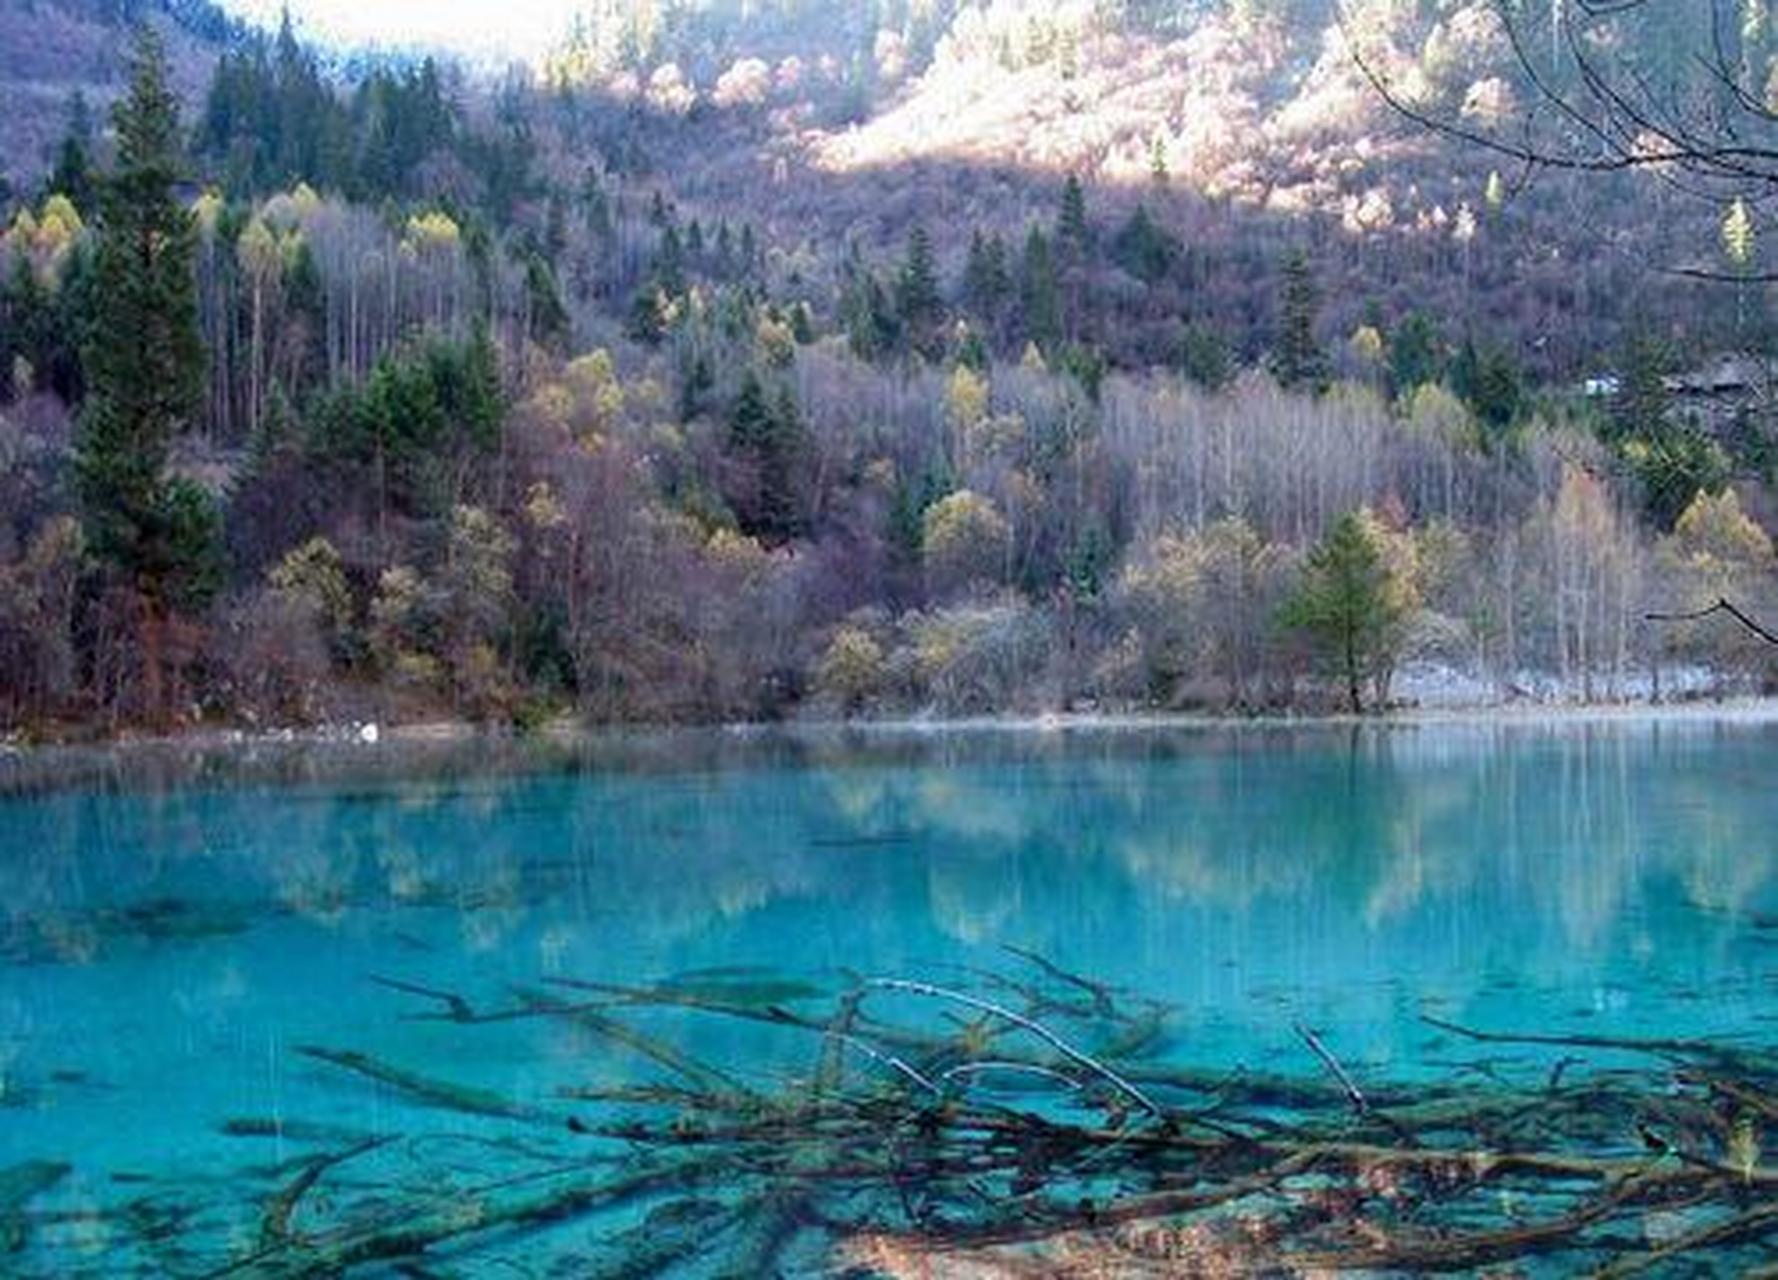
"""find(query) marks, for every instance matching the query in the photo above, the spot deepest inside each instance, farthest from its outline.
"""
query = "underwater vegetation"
(1020, 1121)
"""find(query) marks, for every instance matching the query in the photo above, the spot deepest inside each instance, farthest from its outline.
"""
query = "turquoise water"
(174, 928)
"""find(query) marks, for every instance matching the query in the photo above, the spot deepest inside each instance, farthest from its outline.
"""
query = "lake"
(454, 967)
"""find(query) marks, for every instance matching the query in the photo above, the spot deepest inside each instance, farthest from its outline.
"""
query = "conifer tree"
(144, 363)
(781, 472)
(1072, 227)
(1143, 249)
(769, 439)
(917, 295)
(1298, 362)
(1352, 605)
(549, 317)
(1416, 354)
(73, 172)
(750, 418)
(1040, 292)
(984, 276)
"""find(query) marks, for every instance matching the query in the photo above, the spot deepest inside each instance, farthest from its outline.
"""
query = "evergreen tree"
(749, 249)
(1144, 249)
(1204, 357)
(144, 363)
(985, 282)
(972, 351)
(27, 328)
(1416, 355)
(917, 296)
(73, 172)
(1673, 459)
(750, 417)
(1642, 406)
(769, 440)
(669, 263)
(1040, 291)
(1488, 379)
(802, 324)
(549, 318)
(1298, 361)
(1351, 605)
(1073, 229)
(781, 503)
(647, 322)
(872, 326)
(696, 380)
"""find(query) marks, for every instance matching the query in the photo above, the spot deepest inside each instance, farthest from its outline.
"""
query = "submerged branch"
(1037, 1029)
(908, 1170)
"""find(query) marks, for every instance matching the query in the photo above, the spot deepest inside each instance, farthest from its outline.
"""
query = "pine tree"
(1416, 354)
(1144, 249)
(1641, 408)
(984, 276)
(1489, 381)
(1298, 362)
(1072, 227)
(917, 296)
(769, 440)
(73, 172)
(669, 263)
(549, 317)
(1040, 291)
(1204, 357)
(871, 323)
(750, 418)
(1351, 604)
(647, 321)
(144, 362)
(781, 471)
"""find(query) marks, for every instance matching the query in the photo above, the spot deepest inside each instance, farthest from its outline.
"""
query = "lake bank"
(461, 750)
(566, 729)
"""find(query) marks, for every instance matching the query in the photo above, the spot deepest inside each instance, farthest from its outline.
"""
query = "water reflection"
(1577, 842)
(173, 923)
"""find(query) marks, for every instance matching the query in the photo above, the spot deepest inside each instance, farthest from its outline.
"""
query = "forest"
(724, 368)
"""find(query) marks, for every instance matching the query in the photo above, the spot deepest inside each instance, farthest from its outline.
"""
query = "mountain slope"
(54, 49)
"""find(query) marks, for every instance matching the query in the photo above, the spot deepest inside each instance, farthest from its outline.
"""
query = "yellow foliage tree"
(965, 541)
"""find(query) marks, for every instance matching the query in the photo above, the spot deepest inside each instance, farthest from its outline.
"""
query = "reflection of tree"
(1729, 861)
(973, 900)
(1540, 845)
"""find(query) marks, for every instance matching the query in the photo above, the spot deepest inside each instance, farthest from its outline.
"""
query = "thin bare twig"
(1353, 1092)
(1037, 1029)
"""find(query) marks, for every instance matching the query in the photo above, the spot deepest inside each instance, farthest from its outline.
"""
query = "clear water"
(174, 927)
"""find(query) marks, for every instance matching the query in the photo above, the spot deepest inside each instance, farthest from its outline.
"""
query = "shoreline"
(371, 737)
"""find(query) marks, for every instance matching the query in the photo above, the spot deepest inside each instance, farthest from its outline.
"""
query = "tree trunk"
(150, 634)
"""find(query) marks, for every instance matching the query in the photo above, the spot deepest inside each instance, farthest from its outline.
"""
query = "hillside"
(749, 361)
(55, 49)
(1245, 129)
(1242, 129)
